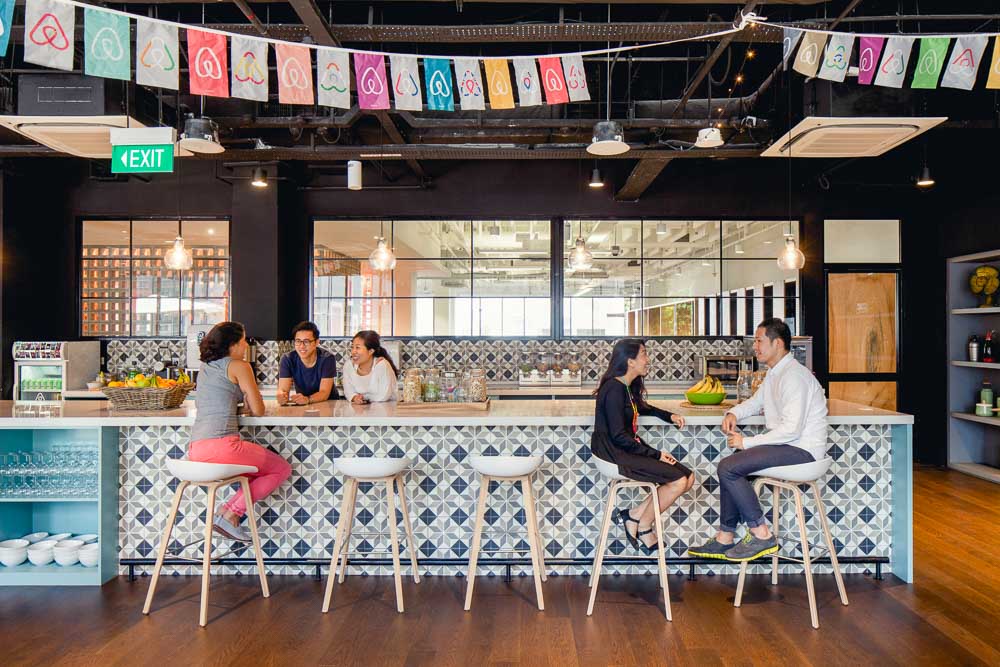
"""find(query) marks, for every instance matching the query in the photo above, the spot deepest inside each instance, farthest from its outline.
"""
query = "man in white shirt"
(794, 408)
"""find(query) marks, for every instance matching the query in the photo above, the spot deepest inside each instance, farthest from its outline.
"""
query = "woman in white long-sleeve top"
(370, 376)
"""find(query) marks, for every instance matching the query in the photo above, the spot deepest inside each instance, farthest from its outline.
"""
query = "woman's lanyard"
(635, 413)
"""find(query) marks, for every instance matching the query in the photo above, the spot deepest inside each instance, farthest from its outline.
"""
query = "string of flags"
(884, 60)
(222, 64)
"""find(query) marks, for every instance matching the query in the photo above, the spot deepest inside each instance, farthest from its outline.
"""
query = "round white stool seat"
(198, 472)
(606, 468)
(369, 467)
(505, 466)
(802, 472)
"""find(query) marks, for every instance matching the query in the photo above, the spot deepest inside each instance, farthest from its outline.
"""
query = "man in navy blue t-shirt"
(310, 367)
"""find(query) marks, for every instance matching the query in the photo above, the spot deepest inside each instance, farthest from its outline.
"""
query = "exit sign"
(142, 150)
(142, 159)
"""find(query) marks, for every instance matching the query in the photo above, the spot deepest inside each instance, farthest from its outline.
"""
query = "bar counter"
(867, 491)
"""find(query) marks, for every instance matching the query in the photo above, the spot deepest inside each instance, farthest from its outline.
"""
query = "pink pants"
(272, 470)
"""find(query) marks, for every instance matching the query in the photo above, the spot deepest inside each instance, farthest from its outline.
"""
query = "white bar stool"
(789, 478)
(507, 469)
(616, 483)
(388, 471)
(212, 476)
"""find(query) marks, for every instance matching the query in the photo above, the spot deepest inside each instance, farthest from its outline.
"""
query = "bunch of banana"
(708, 385)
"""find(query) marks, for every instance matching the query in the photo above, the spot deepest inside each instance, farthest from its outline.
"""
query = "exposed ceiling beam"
(309, 12)
(397, 138)
(642, 176)
(251, 16)
(706, 66)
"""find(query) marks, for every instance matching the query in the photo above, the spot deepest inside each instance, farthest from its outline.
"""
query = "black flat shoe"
(624, 517)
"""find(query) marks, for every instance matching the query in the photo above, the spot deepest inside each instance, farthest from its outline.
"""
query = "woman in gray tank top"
(224, 380)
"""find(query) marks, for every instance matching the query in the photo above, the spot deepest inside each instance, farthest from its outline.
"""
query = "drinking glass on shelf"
(744, 382)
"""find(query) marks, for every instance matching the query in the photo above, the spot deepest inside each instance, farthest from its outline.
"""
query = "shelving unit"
(20, 516)
(973, 441)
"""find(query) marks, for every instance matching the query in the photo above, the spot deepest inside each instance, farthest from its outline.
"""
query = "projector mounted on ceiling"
(817, 137)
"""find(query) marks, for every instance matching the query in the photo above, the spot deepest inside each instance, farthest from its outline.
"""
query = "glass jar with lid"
(431, 389)
(412, 385)
(477, 385)
(449, 384)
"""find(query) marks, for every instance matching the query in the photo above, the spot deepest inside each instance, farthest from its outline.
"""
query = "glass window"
(452, 277)
(126, 290)
(679, 277)
(861, 241)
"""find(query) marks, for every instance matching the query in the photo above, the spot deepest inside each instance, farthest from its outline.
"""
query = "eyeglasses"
(303, 342)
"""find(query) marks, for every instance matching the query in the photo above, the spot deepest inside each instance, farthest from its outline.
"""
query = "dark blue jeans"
(737, 501)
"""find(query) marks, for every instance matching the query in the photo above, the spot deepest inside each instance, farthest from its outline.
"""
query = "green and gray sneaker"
(751, 547)
(713, 549)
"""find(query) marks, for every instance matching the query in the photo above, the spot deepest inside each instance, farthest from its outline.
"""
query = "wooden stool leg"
(207, 561)
(821, 510)
(338, 545)
(602, 545)
(805, 558)
(595, 570)
(660, 562)
(776, 499)
(739, 585)
(163, 545)
(410, 542)
(390, 498)
(532, 518)
(477, 536)
(351, 508)
(252, 519)
(528, 499)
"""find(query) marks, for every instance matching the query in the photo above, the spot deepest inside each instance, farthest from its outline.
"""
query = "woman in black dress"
(621, 398)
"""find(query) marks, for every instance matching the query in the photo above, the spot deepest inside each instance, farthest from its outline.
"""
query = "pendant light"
(382, 257)
(178, 257)
(201, 135)
(353, 175)
(595, 179)
(259, 177)
(608, 137)
(791, 258)
(580, 259)
(925, 180)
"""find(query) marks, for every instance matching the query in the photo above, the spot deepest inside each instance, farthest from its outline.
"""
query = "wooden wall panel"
(862, 322)
(876, 394)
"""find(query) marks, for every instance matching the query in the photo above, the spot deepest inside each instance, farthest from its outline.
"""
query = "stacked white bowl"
(35, 537)
(90, 554)
(13, 552)
(67, 552)
(40, 553)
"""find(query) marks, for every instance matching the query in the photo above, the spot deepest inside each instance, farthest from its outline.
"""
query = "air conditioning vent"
(82, 136)
(848, 137)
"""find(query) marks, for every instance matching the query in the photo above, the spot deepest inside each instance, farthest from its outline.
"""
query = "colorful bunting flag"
(333, 76)
(48, 34)
(106, 45)
(207, 63)
(249, 79)
(498, 83)
(553, 81)
(156, 61)
(963, 64)
(894, 61)
(870, 50)
(406, 83)
(576, 78)
(933, 51)
(807, 61)
(6, 23)
(994, 79)
(836, 58)
(790, 38)
(470, 84)
(529, 90)
(295, 74)
(437, 75)
(373, 87)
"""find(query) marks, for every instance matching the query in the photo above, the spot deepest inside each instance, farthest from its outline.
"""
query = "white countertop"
(335, 413)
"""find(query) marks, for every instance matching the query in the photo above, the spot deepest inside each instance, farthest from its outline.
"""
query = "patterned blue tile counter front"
(867, 491)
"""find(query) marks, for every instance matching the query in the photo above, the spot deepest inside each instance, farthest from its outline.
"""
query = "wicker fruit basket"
(147, 398)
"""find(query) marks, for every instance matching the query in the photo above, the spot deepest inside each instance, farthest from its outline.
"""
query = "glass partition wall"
(495, 277)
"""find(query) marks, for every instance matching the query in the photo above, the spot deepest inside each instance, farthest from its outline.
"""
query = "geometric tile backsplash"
(671, 359)
(299, 519)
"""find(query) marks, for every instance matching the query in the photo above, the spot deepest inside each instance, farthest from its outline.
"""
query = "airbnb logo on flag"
(49, 32)
(553, 81)
(209, 66)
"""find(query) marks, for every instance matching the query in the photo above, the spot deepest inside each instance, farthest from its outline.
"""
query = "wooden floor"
(951, 616)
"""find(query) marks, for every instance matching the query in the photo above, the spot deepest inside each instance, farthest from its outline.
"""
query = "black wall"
(43, 200)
